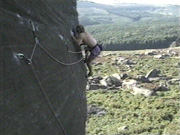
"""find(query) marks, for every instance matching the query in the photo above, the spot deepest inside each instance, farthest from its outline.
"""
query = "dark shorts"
(94, 52)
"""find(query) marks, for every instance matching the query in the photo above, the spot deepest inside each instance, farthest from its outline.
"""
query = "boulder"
(116, 76)
(96, 87)
(123, 76)
(161, 56)
(128, 62)
(174, 82)
(123, 128)
(113, 81)
(119, 60)
(161, 88)
(142, 79)
(153, 73)
(129, 84)
(103, 82)
(151, 53)
(94, 110)
(95, 80)
(142, 91)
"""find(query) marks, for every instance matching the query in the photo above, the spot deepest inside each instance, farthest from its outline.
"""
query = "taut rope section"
(47, 99)
(66, 64)
(75, 52)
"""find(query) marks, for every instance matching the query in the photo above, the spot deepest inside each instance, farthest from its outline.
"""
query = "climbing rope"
(48, 101)
(75, 52)
(47, 52)
(29, 61)
(37, 78)
(51, 56)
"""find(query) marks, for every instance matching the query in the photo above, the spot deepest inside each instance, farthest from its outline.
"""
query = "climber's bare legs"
(89, 62)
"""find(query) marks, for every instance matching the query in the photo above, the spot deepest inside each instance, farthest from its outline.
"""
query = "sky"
(158, 2)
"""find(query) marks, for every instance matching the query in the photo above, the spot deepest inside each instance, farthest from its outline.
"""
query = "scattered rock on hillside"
(95, 80)
(161, 56)
(113, 88)
(116, 76)
(178, 64)
(151, 53)
(142, 79)
(129, 84)
(172, 53)
(94, 110)
(128, 62)
(161, 88)
(154, 79)
(143, 91)
(123, 76)
(119, 60)
(98, 64)
(96, 87)
(123, 128)
(153, 73)
(164, 78)
(103, 82)
(174, 82)
(113, 81)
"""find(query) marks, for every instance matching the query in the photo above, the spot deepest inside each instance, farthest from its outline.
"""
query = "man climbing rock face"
(81, 37)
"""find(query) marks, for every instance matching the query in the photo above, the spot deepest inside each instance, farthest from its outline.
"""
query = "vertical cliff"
(42, 84)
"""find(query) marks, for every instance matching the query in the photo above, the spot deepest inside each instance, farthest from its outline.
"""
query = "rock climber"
(93, 49)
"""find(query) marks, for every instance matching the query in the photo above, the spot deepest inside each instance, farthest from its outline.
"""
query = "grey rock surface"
(43, 97)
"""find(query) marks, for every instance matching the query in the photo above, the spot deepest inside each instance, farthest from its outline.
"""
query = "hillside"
(108, 14)
(131, 26)
(135, 92)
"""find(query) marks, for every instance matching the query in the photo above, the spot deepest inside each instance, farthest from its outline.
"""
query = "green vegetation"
(136, 35)
(134, 27)
(157, 114)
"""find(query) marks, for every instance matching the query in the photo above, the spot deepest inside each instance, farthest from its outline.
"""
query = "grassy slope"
(153, 115)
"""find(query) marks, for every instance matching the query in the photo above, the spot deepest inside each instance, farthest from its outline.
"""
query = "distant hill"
(130, 26)
(91, 13)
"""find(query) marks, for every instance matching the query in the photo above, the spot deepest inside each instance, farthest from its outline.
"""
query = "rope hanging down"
(29, 61)
(47, 99)
(42, 89)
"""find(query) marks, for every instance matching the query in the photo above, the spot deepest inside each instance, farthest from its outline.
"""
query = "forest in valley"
(130, 26)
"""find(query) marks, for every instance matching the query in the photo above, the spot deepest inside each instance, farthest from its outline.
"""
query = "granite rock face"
(44, 97)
